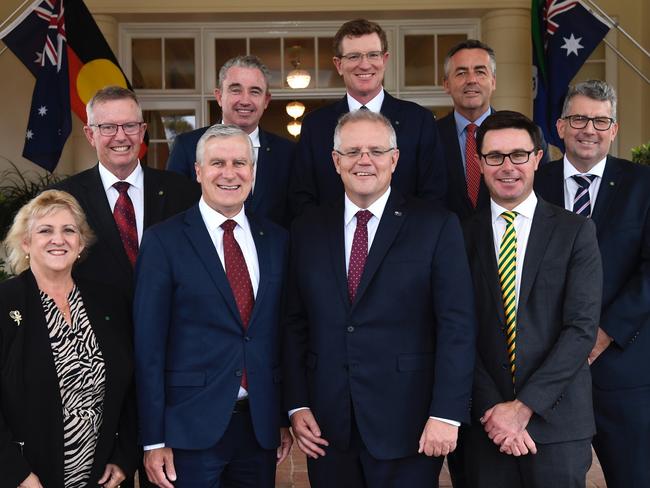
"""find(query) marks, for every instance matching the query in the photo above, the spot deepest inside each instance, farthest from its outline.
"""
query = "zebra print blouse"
(80, 368)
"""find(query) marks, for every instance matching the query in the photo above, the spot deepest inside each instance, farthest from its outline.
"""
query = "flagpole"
(627, 61)
(616, 25)
(11, 16)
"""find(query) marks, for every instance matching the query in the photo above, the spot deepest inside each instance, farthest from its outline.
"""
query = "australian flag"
(564, 34)
(39, 41)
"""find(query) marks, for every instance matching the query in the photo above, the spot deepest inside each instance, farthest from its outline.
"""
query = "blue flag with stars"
(564, 34)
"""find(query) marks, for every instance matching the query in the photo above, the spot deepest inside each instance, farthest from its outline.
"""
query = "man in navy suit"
(243, 95)
(361, 55)
(207, 308)
(537, 281)
(615, 193)
(379, 348)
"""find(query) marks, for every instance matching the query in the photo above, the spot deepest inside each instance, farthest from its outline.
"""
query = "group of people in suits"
(432, 298)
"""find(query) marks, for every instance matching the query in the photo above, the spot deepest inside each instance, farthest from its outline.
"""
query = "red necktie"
(238, 277)
(358, 253)
(124, 216)
(471, 165)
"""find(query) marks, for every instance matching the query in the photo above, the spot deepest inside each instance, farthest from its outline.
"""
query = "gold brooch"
(15, 316)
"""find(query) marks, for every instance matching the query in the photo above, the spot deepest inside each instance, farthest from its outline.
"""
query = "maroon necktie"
(472, 171)
(124, 216)
(238, 277)
(358, 253)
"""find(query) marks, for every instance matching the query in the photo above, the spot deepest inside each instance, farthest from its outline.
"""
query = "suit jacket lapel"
(608, 188)
(541, 231)
(391, 221)
(336, 241)
(484, 245)
(200, 240)
(154, 197)
(391, 110)
(262, 246)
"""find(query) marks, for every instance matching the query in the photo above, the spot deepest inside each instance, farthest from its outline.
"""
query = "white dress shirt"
(523, 221)
(136, 193)
(571, 186)
(373, 105)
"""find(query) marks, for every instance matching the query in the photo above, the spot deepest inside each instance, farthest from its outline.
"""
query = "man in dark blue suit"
(361, 57)
(207, 308)
(243, 95)
(616, 194)
(379, 348)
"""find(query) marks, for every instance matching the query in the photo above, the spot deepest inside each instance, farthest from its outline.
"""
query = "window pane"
(445, 43)
(146, 63)
(327, 75)
(179, 63)
(419, 60)
(157, 155)
(163, 126)
(268, 50)
(224, 49)
(299, 52)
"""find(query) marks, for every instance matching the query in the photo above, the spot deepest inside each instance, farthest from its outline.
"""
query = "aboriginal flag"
(60, 43)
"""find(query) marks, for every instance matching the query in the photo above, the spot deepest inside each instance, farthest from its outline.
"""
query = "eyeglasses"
(372, 56)
(515, 157)
(356, 154)
(581, 121)
(130, 128)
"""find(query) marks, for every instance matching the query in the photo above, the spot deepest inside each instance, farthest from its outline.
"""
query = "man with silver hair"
(379, 349)
(243, 95)
(207, 308)
(615, 193)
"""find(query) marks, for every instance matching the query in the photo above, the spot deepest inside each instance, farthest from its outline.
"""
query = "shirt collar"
(525, 208)
(254, 136)
(376, 208)
(597, 170)
(373, 105)
(214, 219)
(135, 179)
(462, 122)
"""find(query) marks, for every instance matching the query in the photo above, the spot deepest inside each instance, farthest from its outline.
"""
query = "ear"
(336, 157)
(538, 158)
(445, 85)
(337, 64)
(217, 95)
(25, 246)
(267, 99)
(143, 130)
(197, 170)
(560, 125)
(394, 158)
(88, 132)
(614, 130)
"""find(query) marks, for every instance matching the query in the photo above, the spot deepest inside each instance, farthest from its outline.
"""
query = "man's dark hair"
(358, 28)
(471, 44)
(507, 119)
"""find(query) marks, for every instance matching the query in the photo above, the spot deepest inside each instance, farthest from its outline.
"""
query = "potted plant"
(641, 154)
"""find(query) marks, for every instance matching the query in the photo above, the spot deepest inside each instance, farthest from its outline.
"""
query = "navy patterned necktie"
(582, 201)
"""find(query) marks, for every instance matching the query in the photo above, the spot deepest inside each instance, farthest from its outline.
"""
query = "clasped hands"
(505, 424)
(438, 438)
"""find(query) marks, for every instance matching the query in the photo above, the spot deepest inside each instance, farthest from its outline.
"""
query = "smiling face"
(470, 82)
(117, 153)
(509, 184)
(226, 173)
(362, 79)
(586, 147)
(243, 97)
(53, 243)
(367, 178)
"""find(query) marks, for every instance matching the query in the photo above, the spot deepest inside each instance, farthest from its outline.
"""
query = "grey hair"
(252, 62)
(471, 44)
(108, 94)
(222, 131)
(594, 89)
(364, 115)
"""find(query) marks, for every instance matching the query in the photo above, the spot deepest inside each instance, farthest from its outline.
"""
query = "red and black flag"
(60, 43)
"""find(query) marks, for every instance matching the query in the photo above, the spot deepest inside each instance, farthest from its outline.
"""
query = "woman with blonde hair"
(67, 413)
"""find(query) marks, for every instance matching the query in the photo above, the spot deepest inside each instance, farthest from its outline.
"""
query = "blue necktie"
(582, 202)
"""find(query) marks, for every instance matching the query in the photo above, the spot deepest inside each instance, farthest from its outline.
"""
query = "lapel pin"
(161, 193)
(397, 213)
(107, 317)
(15, 316)
(261, 232)
(268, 149)
(611, 183)
(397, 122)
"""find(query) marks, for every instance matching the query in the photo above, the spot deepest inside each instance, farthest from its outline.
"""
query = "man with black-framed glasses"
(360, 58)
(615, 194)
(537, 283)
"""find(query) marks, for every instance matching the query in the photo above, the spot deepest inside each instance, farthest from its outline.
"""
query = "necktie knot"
(229, 225)
(363, 216)
(509, 217)
(122, 187)
(584, 181)
(363, 107)
(471, 129)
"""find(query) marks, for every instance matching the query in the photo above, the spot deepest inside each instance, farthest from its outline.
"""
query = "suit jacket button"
(350, 328)
(247, 338)
(239, 373)
(504, 366)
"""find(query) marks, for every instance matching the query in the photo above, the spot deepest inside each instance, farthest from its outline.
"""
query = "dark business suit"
(420, 172)
(403, 351)
(557, 318)
(165, 194)
(30, 399)
(621, 374)
(191, 347)
(269, 199)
